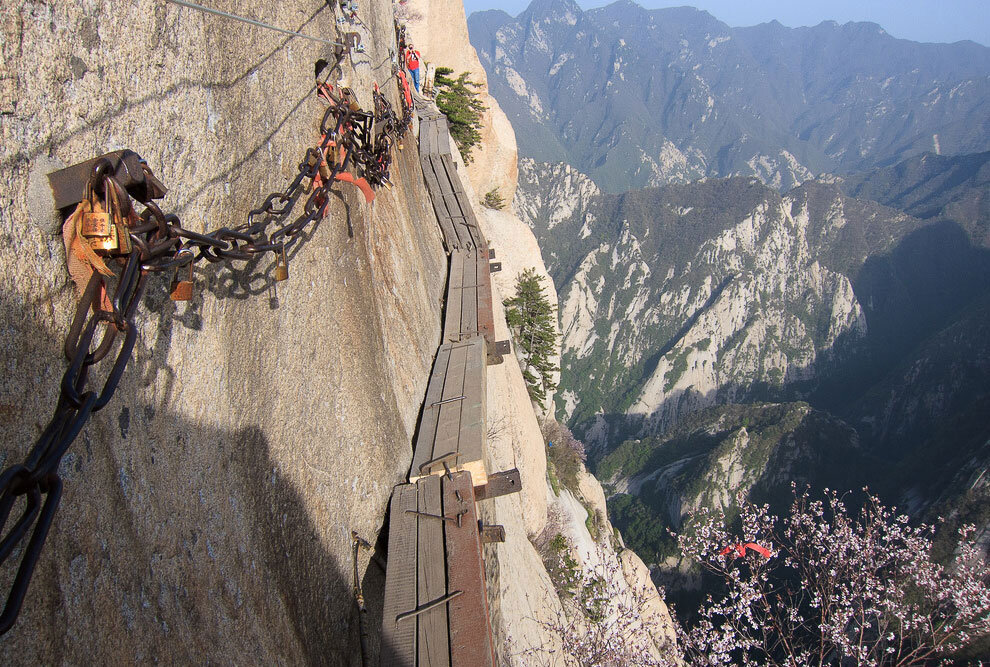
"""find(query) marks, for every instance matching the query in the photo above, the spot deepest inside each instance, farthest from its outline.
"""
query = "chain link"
(351, 138)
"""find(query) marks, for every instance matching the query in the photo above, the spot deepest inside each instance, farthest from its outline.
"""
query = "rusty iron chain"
(160, 243)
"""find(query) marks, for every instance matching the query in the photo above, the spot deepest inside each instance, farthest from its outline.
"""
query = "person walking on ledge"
(412, 64)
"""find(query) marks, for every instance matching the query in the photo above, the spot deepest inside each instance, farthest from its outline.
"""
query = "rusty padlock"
(96, 228)
(281, 267)
(181, 290)
(120, 213)
(312, 159)
(103, 226)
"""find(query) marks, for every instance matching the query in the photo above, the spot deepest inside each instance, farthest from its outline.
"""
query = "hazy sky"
(919, 20)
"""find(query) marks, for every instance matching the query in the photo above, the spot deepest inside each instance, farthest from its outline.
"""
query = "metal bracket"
(502, 347)
(128, 170)
(452, 519)
(491, 253)
(499, 484)
(446, 401)
(494, 267)
(491, 534)
(428, 606)
(445, 459)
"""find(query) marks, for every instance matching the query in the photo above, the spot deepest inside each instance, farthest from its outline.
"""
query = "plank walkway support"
(436, 605)
(469, 310)
(452, 433)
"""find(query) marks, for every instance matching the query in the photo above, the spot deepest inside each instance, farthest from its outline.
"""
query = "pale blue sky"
(918, 20)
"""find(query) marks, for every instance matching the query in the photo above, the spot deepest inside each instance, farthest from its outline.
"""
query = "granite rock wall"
(208, 509)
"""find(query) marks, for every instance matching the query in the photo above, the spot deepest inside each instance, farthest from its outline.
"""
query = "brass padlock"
(181, 290)
(281, 267)
(97, 228)
(311, 161)
(117, 217)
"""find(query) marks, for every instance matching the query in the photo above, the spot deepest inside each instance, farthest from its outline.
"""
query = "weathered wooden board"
(470, 624)
(443, 136)
(399, 637)
(456, 394)
(473, 432)
(433, 637)
(469, 303)
(455, 294)
(486, 313)
(426, 436)
(447, 442)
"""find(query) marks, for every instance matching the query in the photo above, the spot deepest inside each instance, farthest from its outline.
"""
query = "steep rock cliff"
(439, 31)
(208, 510)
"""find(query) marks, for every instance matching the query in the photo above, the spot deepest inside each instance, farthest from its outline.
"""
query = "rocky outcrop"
(677, 298)
(438, 29)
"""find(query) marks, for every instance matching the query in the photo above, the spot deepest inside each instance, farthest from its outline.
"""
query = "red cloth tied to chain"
(740, 550)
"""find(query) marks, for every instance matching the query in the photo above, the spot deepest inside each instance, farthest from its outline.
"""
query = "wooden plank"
(455, 296)
(469, 303)
(449, 423)
(470, 624)
(399, 638)
(473, 434)
(472, 222)
(443, 217)
(433, 637)
(457, 204)
(453, 204)
(443, 175)
(486, 314)
(443, 137)
(426, 435)
(428, 137)
(451, 168)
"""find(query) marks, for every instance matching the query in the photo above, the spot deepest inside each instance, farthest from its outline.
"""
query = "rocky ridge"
(635, 97)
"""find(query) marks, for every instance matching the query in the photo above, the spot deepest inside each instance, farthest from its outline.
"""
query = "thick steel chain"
(160, 243)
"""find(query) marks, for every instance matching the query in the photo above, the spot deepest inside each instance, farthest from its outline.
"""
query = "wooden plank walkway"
(450, 202)
(436, 608)
(469, 301)
(452, 433)
(436, 605)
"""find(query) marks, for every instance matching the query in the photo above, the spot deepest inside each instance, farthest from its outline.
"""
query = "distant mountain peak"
(635, 97)
(551, 9)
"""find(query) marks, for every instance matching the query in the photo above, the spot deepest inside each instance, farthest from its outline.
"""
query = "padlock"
(311, 161)
(181, 290)
(97, 227)
(281, 267)
(117, 216)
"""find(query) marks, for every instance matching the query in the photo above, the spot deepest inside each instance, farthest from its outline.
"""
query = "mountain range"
(635, 97)
(726, 338)
(772, 253)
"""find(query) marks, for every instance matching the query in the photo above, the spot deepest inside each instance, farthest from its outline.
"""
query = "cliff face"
(208, 509)
(439, 31)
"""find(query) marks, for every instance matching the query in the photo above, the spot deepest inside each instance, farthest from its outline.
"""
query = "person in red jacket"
(412, 64)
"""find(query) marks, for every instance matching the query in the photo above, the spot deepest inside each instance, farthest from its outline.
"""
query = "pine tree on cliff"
(531, 316)
(459, 102)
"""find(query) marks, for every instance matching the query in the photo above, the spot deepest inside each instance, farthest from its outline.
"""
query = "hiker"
(412, 64)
